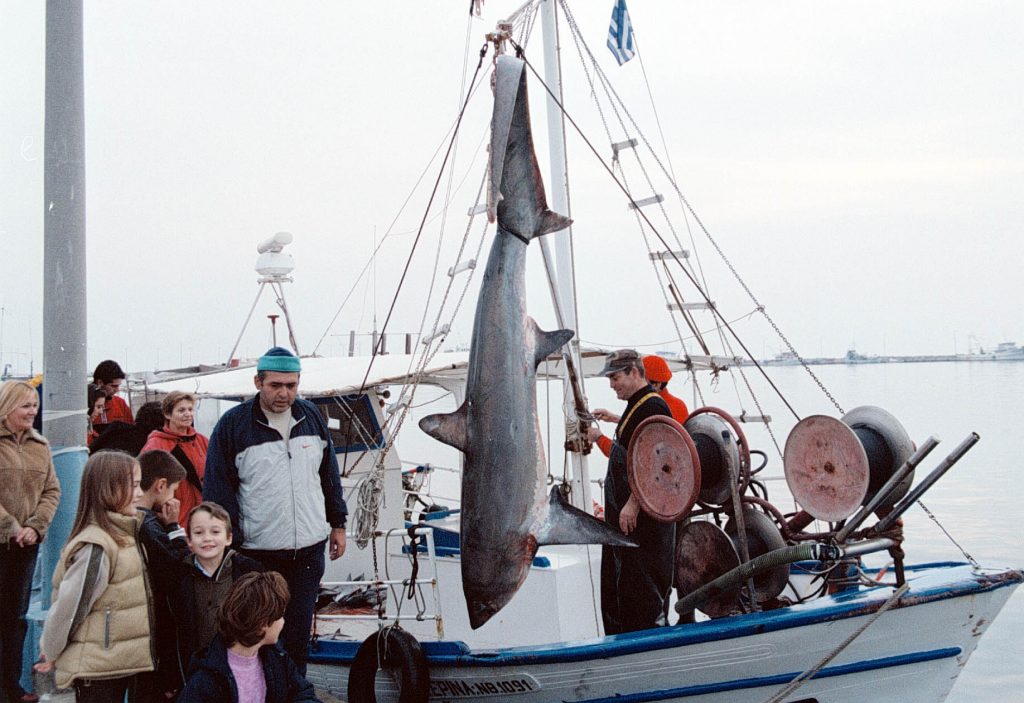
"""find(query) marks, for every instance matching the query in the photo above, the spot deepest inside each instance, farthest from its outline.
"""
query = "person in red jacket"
(108, 377)
(180, 439)
(658, 375)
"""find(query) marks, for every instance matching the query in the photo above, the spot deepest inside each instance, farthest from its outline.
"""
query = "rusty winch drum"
(763, 536)
(663, 469)
(703, 553)
(887, 445)
(719, 455)
(835, 466)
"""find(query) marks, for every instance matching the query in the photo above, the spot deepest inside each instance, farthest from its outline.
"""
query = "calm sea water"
(978, 500)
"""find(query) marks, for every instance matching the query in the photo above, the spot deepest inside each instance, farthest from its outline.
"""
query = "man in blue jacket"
(271, 465)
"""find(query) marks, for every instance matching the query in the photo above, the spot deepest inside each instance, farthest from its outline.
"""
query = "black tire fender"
(394, 649)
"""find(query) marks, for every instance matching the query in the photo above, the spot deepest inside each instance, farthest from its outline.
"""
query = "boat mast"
(560, 274)
(64, 279)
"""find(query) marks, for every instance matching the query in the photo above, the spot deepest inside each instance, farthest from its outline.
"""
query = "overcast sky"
(860, 164)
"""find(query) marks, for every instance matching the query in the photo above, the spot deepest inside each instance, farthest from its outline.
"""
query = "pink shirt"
(249, 679)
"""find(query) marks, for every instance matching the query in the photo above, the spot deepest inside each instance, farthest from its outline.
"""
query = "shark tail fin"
(449, 428)
(547, 343)
(569, 525)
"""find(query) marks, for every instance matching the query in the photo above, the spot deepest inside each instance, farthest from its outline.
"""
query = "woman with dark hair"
(181, 440)
(29, 494)
(97, 404)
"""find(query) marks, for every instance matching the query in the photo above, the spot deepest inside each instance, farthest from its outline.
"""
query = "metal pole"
(563, 290)
(64, 256)
(919, 490)
(273, 328)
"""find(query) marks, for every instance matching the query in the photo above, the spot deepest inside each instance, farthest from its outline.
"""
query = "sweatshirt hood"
(166, 434)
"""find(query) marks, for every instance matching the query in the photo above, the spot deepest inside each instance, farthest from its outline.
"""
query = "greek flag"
(620, 33)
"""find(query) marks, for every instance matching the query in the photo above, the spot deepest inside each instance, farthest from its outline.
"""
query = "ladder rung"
(669, 255)
(441, 331)
(646, 201)
(461, 266)
(691, 306)
(619, 146)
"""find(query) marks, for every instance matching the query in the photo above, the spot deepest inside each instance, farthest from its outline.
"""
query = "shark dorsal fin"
(566, 524)
(449, 428)
(547, 343)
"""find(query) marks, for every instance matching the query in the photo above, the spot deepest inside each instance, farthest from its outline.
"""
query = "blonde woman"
(29, 494)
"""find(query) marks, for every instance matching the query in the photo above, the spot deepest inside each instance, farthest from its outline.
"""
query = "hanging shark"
(506, 511)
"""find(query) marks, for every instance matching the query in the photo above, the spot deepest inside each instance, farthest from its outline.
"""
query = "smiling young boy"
(210, 570)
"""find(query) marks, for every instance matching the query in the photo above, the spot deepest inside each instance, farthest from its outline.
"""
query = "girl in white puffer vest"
(98, 633)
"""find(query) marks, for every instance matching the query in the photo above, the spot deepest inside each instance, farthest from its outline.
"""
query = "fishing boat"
(1008, 351)
(772, 605)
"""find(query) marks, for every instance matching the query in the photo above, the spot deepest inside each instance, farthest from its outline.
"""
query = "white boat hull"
(913, 652)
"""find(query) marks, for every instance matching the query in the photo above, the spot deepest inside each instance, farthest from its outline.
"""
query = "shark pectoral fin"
(449, 428)
(570, 525)
(548, 343)
(552, 222)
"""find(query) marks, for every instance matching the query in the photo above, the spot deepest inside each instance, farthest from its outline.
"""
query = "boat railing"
(396, 589)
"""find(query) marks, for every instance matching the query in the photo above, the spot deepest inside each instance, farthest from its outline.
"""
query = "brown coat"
(29, 491)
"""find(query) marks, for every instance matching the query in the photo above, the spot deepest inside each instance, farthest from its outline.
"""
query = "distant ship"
(1008, 351)
(854, 357)
(1004, 351)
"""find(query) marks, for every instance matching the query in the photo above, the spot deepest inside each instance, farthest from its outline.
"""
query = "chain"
(789, 345)
(963, 551)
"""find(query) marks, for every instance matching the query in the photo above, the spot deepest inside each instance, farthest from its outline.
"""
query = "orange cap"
(656, 369)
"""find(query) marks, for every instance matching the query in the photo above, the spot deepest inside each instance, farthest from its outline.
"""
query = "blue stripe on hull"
(840, 607)
(781, 679)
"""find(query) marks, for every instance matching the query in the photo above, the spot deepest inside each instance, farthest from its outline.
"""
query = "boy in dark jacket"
(165, 548)
(244, 664)
(207, 575)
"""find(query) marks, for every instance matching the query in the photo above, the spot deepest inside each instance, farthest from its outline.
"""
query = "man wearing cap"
(271, 465)
(658, 375)
(635, 582)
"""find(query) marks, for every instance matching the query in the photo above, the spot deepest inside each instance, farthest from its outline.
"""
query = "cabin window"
(352, 422)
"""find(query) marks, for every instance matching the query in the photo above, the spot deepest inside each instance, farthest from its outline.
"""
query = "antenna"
(273, 267)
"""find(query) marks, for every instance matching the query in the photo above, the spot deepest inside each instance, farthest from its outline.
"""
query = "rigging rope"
(419, 232)
(390, 231)
(688, 207)
(809, 674)
(696, 285)
(371, 488)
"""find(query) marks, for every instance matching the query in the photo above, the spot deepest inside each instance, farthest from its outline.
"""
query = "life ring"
(395, 650)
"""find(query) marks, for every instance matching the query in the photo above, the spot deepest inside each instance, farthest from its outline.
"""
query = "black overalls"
(635, 581)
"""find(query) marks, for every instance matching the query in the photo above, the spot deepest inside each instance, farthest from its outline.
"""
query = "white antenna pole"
(563, 289)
